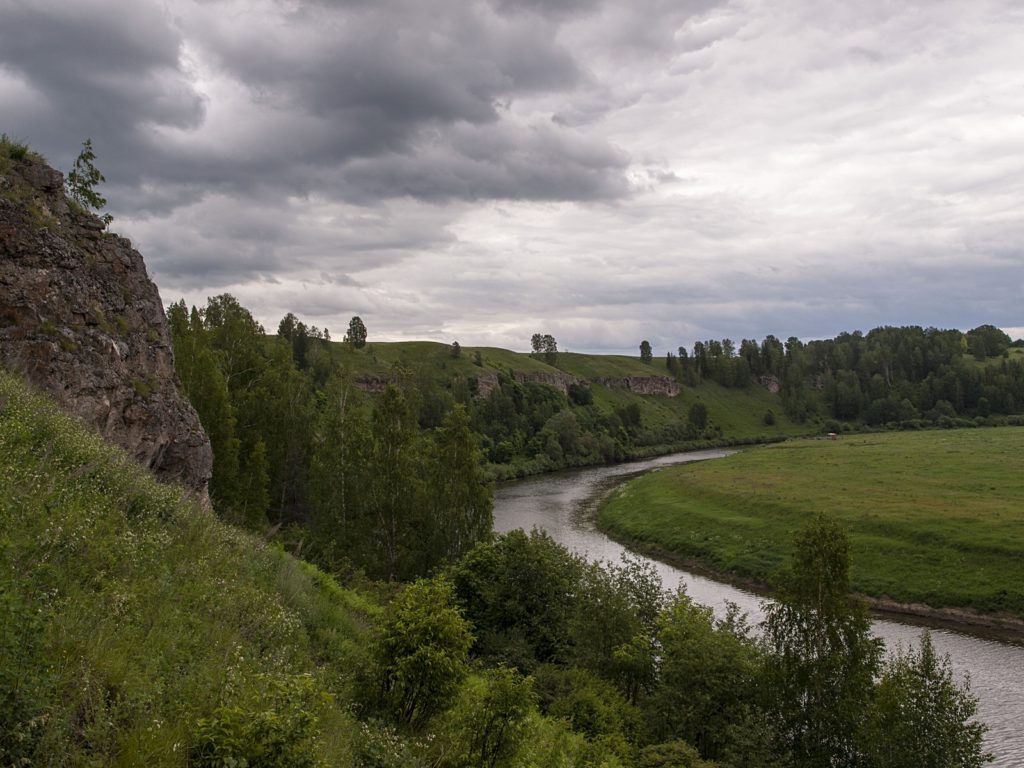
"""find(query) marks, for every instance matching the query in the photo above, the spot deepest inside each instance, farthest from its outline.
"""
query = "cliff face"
(642, 385)
(80, 319)
(560, 381)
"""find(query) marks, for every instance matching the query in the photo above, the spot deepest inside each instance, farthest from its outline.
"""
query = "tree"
(823, 659)
(492, 719)
(81, 182)
(646, 355)
(395, 490)
(421, 655)
(544, 344)
(340, 473)
(697, 419)
(207, 390)
(460, 495)
(356, 335)
(706, 681)
(920, 716)
(987, 341)
(519, 591)
(456, 349)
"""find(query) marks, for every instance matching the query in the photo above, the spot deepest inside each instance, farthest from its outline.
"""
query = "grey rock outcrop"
(642, 385)
(560, 381)
(486, 382)
(81, 320)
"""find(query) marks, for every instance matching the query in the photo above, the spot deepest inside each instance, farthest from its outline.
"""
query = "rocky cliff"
(560, 381)
(80, 319)
(642, 385)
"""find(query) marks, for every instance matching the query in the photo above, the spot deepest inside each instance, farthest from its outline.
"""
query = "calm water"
(562, 504)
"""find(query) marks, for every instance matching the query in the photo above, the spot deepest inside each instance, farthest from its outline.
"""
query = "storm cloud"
(601, 171)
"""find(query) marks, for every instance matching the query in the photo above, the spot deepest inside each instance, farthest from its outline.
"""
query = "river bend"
(563, 504)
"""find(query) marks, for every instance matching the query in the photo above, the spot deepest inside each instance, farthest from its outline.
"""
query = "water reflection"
(562, 504)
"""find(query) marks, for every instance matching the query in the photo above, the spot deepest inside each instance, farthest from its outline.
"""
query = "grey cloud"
(105, 70)
(327, 90)
(537, 163)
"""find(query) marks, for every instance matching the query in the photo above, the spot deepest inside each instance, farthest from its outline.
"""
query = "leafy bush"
(420, 657)
(277, 730)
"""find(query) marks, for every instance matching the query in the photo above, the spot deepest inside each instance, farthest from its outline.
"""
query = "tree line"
(906, 376)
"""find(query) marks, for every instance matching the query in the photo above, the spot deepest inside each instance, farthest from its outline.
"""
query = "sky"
(603, 171)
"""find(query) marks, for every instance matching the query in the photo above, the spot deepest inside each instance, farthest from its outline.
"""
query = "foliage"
(706, 678)
(296, 443)
(822, 660)
(420, 658)
(135, 628)
(356, 335)
(545, 346)
(278, 733)
(920, 716)
(82, 180)
(646, 355)
(518, 592)
(987, 341)
(491, 720)
(460, 498)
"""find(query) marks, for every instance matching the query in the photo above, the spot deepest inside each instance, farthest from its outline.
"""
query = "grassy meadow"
(934, 517)
(131, 620)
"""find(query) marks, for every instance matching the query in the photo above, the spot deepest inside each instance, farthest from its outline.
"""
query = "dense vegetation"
(139, 630)
(907, 377)
(932, 517)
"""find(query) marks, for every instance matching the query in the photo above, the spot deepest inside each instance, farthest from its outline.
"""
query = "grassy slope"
(936, 517)
(126, 614)
(740, 412)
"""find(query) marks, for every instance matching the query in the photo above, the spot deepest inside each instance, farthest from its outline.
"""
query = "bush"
(421, 655)
(491, 720)
(277, 730)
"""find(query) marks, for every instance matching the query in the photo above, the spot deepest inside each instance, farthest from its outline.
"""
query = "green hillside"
(132, 622)
(739, 413)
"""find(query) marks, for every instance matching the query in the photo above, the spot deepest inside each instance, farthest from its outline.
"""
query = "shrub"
(420, 657)
(278, 730)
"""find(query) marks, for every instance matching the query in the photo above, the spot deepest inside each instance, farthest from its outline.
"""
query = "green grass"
(934, 517)
(593, 366)
(128, 616)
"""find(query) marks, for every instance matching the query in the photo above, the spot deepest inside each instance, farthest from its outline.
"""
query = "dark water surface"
(563, 503)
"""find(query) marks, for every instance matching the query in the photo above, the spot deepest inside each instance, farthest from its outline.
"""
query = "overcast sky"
(602, 171)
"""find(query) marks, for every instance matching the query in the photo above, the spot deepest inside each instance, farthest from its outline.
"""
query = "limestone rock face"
(486, 382)
(80, 319)
(642, 385)
(560, 381)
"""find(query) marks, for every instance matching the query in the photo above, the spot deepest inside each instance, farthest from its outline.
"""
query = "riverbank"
(501, 473)
(935, 521)
(1003, 628)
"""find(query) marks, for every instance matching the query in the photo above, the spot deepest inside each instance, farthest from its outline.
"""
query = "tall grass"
(130, 619)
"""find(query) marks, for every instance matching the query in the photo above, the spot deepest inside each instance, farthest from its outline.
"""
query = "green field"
(934, 517)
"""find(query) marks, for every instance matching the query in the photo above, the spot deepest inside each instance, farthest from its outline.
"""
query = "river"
(563, 504)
